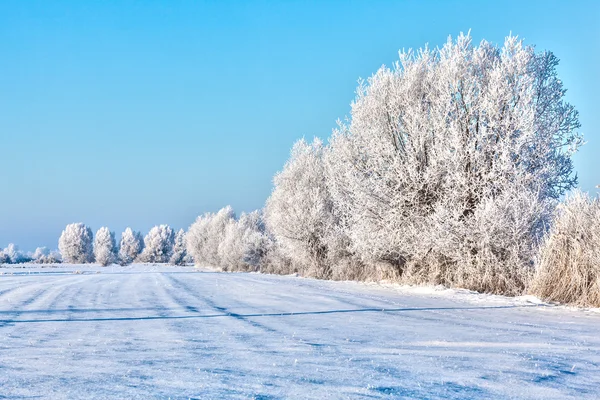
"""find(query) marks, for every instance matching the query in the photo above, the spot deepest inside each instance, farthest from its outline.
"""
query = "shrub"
(569, 260)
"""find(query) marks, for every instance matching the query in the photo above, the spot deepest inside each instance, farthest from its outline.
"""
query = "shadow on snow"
(225, 313)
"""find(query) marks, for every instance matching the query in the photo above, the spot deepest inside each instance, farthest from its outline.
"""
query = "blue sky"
(135, 113)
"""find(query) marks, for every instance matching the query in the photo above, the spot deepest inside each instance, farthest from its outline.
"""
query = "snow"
(144, 331)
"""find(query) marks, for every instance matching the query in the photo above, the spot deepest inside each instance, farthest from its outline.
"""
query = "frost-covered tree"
(299, 212)
(75, 244)
(197, 237)
(105, 247)
(39, 253)
(4, 258)
(158, 244)
(13, 255)
(54, 257)
(12, 251)
(42, 255)
(244, 243)
(205, 235)
(130, 246)
(179, 249)
(450, 162)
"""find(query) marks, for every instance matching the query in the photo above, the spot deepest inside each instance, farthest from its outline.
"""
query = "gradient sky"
(135, 113)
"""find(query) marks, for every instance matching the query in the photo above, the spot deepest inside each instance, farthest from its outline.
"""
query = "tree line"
(161, 245)
(449, 170)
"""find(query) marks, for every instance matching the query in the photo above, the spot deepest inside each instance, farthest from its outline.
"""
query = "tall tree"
(450, 162)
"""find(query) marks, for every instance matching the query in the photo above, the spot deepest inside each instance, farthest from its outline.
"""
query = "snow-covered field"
(157, 332)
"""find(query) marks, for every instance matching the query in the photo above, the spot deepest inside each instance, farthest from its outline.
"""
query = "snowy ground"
(158, 332)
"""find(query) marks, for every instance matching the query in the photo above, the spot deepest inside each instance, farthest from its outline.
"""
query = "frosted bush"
(569, 260)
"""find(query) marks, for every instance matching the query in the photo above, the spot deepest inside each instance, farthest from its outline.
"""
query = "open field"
(156, 331)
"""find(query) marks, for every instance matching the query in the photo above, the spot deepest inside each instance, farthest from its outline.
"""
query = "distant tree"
(54, 257)
(300, 212)
(75, 244)
(158, 244)
(179, 249)
(105, 248)
(197, 238)
(40, 252)
(244, 244)
(42, 255)
(205, 235)
(13, 255)
(130, 247)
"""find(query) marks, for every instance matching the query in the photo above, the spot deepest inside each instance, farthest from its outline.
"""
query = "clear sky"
(136, 113)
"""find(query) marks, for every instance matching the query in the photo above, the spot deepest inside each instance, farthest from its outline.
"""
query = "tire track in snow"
(239, 320)
(22, 288)
(292, 339)
(29, 296)
(247, 334)
(323, 291)
(211, 304)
